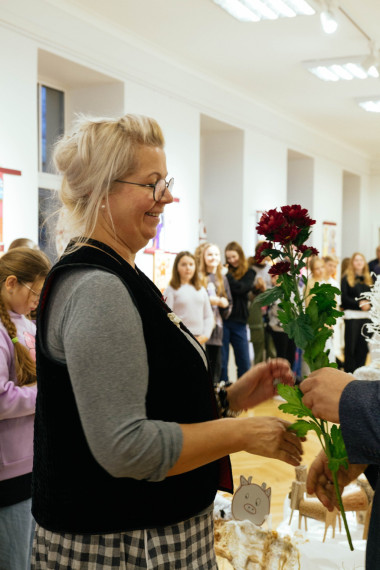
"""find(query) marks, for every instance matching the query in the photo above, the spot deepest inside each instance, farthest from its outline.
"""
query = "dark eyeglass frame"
(155, 187)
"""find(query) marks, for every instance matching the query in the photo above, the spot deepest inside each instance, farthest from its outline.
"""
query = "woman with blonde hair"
(22, 273)
(129, 447)
(355, 281)
(240, 278)
(218, 289)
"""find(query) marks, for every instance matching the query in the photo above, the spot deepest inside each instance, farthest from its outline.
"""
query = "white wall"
(177, 97)
(222, 186)
(351, 210)
(265, 167)
(301, 182)
(327, 200)
(95, 100)
(18, 135)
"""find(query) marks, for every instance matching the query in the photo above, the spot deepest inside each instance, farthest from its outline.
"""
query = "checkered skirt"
(186, 545)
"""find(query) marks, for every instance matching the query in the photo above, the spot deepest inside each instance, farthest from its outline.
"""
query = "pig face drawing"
(251, 502)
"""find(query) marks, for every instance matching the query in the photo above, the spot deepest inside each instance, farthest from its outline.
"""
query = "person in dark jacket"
(337, 397)
(129, 447)
(357, 280)
(240, 278)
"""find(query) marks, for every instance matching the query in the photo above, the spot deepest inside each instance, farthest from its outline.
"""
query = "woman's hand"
(257, 384)
(223, 302)
(260, 284)
(269, 437)
(322, 390)
(320, 481)
(365, 305)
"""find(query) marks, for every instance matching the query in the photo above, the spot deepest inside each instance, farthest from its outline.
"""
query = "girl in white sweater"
(188, 299)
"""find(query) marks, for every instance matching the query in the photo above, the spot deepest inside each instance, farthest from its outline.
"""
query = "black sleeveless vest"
(71, 491)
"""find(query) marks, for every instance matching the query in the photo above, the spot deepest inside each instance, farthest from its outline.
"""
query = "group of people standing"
(212, 300)
(131, 438)
(215, 301)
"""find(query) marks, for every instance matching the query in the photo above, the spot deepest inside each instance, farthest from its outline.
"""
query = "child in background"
(188, 299)
(218, 289)
(22, 274)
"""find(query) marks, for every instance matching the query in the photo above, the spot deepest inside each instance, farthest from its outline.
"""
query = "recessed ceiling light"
(344, 69)
(256, 10)
(371, 104)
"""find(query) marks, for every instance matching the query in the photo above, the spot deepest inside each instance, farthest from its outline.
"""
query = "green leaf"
(337, 450)
(301, 427)
(293, 397)
(312, 311)
(300, 330)
(269, 296)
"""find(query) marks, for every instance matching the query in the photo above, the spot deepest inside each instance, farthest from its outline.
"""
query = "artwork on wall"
(329, 246)
(162, 268)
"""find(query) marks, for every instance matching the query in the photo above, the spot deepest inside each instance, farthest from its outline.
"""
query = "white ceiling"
(262, 60)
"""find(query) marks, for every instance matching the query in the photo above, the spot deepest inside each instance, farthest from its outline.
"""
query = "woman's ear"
(10, 283)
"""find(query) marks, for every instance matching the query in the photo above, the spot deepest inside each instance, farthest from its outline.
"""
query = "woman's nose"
(167, 198)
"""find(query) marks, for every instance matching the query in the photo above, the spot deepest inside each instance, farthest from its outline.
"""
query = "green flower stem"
(341, 508)
(338, 495)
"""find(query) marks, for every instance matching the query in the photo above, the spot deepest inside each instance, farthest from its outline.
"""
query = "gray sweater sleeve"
(94, 327)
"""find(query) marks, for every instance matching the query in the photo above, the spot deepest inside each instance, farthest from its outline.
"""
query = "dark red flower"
(279, 268)
(258, 254)
(303, 248)
(270, 222)
(297, 215)
(286, 234)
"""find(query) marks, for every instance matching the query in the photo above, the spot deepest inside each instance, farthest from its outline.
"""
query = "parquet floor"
(274, 473)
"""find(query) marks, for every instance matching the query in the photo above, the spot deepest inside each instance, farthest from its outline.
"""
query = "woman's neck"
(185, 281)
(211, 269)
(105, 236)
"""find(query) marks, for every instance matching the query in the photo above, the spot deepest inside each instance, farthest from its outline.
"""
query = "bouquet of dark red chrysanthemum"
(309, 323)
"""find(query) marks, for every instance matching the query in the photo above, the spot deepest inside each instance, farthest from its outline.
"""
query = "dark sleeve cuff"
(359, 412)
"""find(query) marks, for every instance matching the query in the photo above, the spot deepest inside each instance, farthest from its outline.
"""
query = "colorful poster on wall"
(1, 212)
(329, 246)
(162, 269)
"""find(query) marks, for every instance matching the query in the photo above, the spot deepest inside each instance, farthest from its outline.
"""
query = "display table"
(313, 554)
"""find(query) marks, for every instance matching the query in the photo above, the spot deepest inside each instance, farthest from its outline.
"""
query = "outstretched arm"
(258, 384)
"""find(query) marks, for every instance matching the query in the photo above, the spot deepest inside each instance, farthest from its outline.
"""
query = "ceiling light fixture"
(344, 69)
(370, 104)
(371, 63)
(328, 18)
(256, 10)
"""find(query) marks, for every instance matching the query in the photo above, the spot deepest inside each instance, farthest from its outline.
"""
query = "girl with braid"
(22, 273)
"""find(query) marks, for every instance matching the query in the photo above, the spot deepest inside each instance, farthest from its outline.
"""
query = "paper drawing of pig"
(251, 502)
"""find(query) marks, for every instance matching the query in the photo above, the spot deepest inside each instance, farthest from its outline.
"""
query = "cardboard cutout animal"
(251, 502)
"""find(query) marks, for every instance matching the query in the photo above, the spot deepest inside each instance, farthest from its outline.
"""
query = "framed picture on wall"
(329, 245)
(162, 268)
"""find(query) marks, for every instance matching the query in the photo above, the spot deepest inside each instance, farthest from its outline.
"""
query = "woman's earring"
(103, 206)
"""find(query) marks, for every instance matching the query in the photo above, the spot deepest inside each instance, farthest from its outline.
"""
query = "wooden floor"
(276, 474)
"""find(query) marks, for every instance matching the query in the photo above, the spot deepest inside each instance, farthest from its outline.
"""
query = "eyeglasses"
(158, 188)
(37, 295)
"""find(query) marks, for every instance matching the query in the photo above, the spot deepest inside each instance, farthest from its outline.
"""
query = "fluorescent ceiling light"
(371, 63)
(256, 10)
(344, 69)
(370, 104)
(329, 22)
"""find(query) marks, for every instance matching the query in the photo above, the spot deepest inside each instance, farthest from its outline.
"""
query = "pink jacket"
(17, 404)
